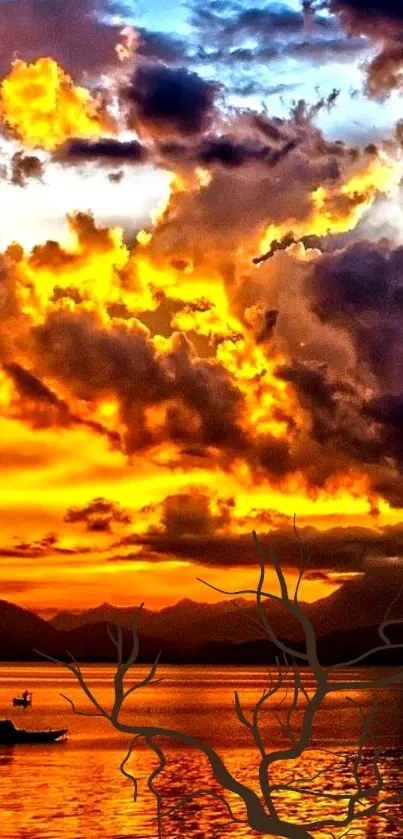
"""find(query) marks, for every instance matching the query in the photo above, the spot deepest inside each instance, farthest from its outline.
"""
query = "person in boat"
(26, 695)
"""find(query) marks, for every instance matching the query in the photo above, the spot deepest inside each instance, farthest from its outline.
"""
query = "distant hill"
(336, 647)
(21, 632)
(193, 623)
(66, 620)
(16, 619)
(199, 619)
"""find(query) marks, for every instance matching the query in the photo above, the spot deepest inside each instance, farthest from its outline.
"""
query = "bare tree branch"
(118, 642)
(185, 799)
(381, 632)
(77, 673)
(363, 656)
(385, 622)
(251, 619)
(257, 816)
(303, 564)
(239, 591)
(81, 713)
(261, 811)
(152, 788)
(123, 764)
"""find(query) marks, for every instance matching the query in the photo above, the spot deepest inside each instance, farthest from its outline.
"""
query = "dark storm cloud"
(338, 49)
(341, 549)
(25, 552)
(229, 152)
(106, 151)
(98, 516)
(387, 411)
(361, 289)
(263, 171)
(24, 168)
(202, 403)
(356, 280)
(47, 546)
(312, 387)
(222, 149)
(382, 22)
(229, 25)
(254, 86)
(344, 429)
(31, 387)
(98, 360)
(159, 46)
(279, 32)
(384, 74)
(354, 410)
(78, 34)
(328, 49)
(372, 10)
(170, 99)
(226, 150)
(257, 20)
(70, 31)
(362, 562)
(189, 514)
(308, 310)
(199, 401)
(40, 406)
(268, 326)
(338, 321)
(123, 361)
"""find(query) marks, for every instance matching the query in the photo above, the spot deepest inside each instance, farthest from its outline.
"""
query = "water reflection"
(6, 755)
(75, 791)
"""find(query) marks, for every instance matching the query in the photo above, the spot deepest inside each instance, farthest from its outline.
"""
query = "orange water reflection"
(75, 791)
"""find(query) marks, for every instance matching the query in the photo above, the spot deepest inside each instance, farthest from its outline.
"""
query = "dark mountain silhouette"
(16, 619)
(359, 603)
(190, 621)
(336, 647)
(21, 632)
(92, 643)
(355, 605)
(66, 620)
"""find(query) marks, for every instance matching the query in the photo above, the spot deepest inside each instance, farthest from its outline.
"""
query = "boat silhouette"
(10, 734)
(23, 701)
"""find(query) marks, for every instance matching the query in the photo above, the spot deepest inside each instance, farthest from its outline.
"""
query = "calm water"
(75, 790)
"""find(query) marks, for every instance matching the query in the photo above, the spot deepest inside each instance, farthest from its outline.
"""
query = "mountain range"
(352, 606)
(192, 632)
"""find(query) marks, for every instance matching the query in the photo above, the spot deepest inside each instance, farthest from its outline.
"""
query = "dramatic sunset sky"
(162, 394)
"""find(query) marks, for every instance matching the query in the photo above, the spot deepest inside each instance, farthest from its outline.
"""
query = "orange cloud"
(42, 107)
(338, 209)
(174, 377)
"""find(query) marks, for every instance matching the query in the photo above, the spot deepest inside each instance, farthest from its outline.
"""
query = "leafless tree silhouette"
(261, 811)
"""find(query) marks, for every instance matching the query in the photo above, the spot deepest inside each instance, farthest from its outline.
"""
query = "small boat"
(10, 734)
(23, 701)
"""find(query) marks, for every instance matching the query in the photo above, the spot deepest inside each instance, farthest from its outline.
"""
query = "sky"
(201, 282)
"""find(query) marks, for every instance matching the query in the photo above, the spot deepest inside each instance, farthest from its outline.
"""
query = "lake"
(76, 791)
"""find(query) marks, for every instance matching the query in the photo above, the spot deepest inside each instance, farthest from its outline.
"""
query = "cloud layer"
(241, 352)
